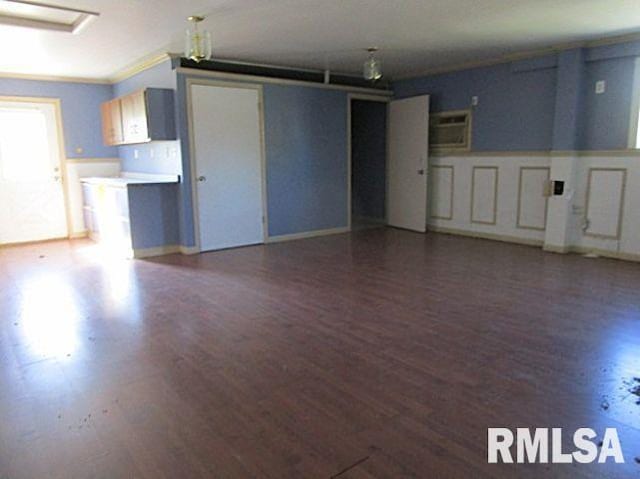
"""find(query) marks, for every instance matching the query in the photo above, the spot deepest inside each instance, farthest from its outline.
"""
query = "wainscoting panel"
(441, 191)
(484, 195)
(604, 194)
(605, 202)
(480, 195)
(532, 201)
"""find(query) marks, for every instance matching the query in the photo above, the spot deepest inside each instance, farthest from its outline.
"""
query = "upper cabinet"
(140, 117)
(112, 123)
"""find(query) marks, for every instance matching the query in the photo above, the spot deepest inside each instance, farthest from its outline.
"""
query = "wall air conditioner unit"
(450, 130)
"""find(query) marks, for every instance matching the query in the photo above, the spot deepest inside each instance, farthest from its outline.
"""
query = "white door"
(228, 166)
(31, 194)
(408, 157)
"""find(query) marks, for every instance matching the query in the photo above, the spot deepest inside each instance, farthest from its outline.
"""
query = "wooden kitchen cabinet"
(134, 117)
(112, 123)
(140, 117)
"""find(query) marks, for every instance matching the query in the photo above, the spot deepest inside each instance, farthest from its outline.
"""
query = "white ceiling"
(413, 35)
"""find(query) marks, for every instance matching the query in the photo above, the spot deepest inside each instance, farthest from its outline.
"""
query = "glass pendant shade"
(372, 70)
(197, 43)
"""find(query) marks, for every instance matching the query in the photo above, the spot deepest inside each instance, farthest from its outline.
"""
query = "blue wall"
(605, 119)
(159, 76)
(515, 110)
(154, 215)
(306, 159)
(80, 103)
(529, 104)
(368, 158)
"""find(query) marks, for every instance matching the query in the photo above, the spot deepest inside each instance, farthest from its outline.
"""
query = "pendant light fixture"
(372, 70)
(197, 43)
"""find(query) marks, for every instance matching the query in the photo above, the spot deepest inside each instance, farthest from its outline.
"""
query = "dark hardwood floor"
(381, 354)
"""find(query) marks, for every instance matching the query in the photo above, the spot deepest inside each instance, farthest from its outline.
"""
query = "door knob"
(202, 178)
(421, 171)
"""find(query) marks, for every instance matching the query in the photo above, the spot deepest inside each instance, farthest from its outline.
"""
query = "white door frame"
(192, 151)
(62, 155)
(381, 99)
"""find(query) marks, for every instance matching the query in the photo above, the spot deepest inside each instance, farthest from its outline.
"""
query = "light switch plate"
(475, 100)
(601, 86)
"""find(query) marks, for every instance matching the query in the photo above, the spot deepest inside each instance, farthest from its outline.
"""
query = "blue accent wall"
(569, 105)
(368, 158)
(306, 153)
(543, 103)
(159, 76)
(153, 210)
(80, 104)
(606, 117)
(515, 110)
(306, 159)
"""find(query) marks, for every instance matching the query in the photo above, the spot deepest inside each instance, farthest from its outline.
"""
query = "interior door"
(31, 194)
(408, 157)
(228, 165)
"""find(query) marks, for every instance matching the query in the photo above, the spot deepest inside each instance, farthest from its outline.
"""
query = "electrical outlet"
(601, 86)
(136, 155)
(475, 100)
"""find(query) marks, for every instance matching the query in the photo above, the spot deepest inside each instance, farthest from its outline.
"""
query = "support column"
(561, 222)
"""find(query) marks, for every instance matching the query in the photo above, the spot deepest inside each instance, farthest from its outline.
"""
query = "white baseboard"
(489, 236)
(552, 248)
(605, 253)
(158, 251)
(546, 247)
(79, 234)
(308, 234)
(189, 250)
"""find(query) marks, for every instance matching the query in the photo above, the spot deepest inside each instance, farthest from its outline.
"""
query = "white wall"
(600, 211)
(609, 186)
(498, 197)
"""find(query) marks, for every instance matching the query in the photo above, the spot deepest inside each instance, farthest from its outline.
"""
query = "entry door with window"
(31, 194)
(228, 165)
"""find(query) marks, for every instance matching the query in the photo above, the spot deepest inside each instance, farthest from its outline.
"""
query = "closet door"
(226, 125)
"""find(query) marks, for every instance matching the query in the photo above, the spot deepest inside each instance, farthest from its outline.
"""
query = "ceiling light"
(372, 70)
(197, 43)
(42, 16)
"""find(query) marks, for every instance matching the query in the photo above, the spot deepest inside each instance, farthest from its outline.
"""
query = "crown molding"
(140, 66)
(522, 55)
(128, 72)
(53, 78)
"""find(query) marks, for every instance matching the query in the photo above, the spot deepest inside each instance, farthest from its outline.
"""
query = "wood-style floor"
(381, 354)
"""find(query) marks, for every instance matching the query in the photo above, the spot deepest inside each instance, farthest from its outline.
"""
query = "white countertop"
(126, 179)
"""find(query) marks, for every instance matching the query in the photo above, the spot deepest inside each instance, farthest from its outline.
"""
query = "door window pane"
(24, 145)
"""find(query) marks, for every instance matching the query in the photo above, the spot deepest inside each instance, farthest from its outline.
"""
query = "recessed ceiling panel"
(24, 13)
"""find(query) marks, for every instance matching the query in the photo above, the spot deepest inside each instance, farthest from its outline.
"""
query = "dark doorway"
(368, 162)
